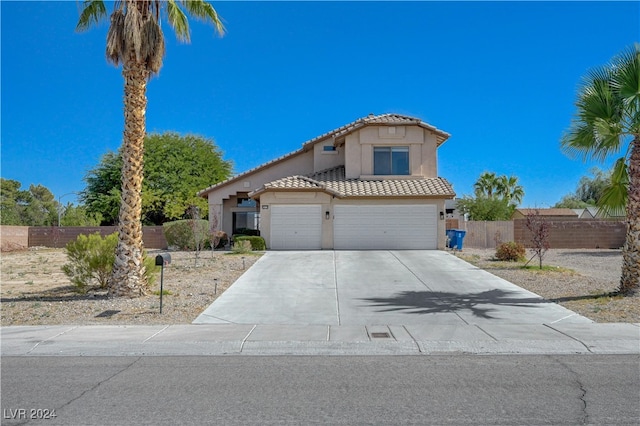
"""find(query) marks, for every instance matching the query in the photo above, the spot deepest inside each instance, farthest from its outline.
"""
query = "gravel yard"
(35, 291)
(582, 281)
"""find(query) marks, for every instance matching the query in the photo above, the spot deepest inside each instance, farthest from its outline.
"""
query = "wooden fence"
(482, 234)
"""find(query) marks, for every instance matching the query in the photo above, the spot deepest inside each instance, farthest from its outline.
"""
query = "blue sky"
(500, 77)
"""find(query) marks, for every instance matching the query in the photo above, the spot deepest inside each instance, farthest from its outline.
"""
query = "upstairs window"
(246, 202)
(391, 160)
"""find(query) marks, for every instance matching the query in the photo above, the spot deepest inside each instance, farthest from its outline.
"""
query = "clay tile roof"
(382, 119)
(334, 182)
(371, 119)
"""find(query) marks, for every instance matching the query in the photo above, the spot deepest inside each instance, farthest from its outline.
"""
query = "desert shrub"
(218, 239)
(91, 259)
(257, 243)
(150, 269)
(241, 247)
(180, 234)
(510, 251)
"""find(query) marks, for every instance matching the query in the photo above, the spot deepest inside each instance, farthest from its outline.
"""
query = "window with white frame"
(391, 160)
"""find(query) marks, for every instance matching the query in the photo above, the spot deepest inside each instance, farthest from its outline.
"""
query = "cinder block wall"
(577, 234)
(53, 236)
(14, 237)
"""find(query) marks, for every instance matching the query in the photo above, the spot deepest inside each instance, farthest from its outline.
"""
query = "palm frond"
(153, 49)
(178, 21)
(615, 195)
(626, 76)
(133, 30)
(93, 11)
(204, 10)
(598, 129)
(115, 38)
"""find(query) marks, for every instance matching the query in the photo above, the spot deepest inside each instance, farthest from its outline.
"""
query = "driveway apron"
(377, 288)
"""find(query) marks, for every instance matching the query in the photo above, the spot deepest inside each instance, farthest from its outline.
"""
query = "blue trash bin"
(451, 238)
(460, 238)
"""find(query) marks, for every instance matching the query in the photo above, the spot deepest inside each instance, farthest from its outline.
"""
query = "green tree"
(10, 196)
(486, 185)
(485, 208)
(489, 185)
(589, 190)
(41, 208)
(607, 122)
(102, 193)
(34, 207)
(136, 41)
(509, 189)
(78, 216)
(176, 168)
(570, 201)
(496, 198)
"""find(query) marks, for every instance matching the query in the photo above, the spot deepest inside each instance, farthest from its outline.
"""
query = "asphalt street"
(436, 390)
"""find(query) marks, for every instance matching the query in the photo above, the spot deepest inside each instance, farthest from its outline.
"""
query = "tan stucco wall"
(323, 160)
(223, 201)
(422, 145)
(268, 199)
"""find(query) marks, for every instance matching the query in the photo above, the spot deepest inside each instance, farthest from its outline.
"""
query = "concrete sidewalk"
(246, 339)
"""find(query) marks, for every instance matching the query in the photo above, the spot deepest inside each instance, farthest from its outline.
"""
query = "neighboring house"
(564, 213)
(596, 213)
(370, 184)
(584, 213)
(452, 213)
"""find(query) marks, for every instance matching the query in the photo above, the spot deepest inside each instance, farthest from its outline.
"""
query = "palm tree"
(486, 185)
(607, 122)
(135, 40)
(509, 189)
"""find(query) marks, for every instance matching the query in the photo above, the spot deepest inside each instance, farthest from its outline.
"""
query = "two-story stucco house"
(370, 184)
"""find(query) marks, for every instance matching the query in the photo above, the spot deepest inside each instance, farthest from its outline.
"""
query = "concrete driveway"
(377, 288)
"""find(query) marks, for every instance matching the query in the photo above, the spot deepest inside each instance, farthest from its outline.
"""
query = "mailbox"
(163, 259)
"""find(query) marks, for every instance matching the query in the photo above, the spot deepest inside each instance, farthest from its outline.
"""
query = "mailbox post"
(161, 260)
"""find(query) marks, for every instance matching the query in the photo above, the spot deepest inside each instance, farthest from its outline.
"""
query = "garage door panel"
(385, 227)
(296, 227)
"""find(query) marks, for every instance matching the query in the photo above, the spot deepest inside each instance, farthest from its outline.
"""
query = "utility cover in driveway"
(392, 227)
(296, 227)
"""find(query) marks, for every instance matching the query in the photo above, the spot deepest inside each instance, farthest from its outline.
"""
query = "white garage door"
(296, 227)
(385, 227)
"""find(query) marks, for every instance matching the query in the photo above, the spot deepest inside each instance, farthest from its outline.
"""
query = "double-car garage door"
(355, 227)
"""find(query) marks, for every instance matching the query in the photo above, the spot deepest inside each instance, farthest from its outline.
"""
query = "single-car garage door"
(377, 227)
(296, 227)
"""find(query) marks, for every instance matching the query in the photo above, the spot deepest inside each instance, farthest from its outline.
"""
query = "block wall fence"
(564, 234)
(577, 234)
(16, 237)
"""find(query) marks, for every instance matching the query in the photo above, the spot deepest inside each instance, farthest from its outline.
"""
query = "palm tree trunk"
(128, 276)
(630, 279)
